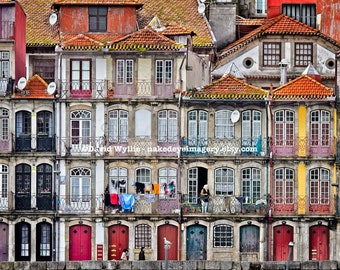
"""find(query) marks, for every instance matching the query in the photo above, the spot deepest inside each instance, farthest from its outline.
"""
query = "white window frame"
(83, 118)
(224, 127)
(167, 126)
(118, 126)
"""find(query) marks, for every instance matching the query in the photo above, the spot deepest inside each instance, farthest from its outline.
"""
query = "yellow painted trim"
(302, 132)
(301, 189)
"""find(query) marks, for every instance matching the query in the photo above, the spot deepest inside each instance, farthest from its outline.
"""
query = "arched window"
(224, 181)
(80, 184)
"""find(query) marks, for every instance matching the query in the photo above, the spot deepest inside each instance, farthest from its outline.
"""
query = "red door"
(318, 243)
(118, 241)
(283, 234)
(3, 242)
(170, 233)
(80, 243)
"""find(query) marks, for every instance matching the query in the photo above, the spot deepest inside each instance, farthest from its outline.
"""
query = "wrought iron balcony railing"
(104, 89)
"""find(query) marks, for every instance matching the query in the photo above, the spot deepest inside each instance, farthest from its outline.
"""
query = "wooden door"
(319, 243)
(283, 234)
(44, 187)
(80, 243)
(4, 241)
(170, 232)
(118, 241)
(196, 242)
(250, 238)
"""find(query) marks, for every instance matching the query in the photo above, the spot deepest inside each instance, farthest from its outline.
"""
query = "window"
(118, 180)
(260, 7)
(80, 185)
(197, 128)
(118, 126)
(143, 175)
(143, 236)
(223, 236)
(320, 128)
(193, 185)
(25, 240)
(3, 183)
(164, 71)
(168, 182)
(44, 68)
(251, 184)
(303, 54)
(305, 13)
(143, 123)
(224, 128)
(97, 19)
(271, 54)
(224, 181)
(124, 74)
(4, 64)
(44, 239)
(44, 123)
(319, 186)
(80, 74)
(167, 126)
(4, 124)
(284, 186)
(251, 131)
(284, 128)
(80, 127)
(23, 123)
(44, 179)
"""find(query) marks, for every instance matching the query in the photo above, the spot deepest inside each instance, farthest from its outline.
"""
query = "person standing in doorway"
(204, 195)
(141, 256)
(125, 255)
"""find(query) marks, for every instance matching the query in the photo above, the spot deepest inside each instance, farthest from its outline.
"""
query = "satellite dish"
(22, 83)
(51, 88)
(53, 18)
(235, 116)
(201, 8)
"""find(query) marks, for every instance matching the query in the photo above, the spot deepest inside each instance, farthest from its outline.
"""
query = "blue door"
(196, 242)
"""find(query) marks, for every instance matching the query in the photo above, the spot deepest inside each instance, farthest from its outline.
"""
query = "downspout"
(179, 157)
(269, 174)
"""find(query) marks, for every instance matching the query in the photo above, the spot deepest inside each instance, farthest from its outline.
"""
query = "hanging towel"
(114, 199)
(127, 201)
(156, 189)
(150, 198)
(140, 187)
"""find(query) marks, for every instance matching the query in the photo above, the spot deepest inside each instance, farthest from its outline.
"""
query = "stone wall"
(172, 265)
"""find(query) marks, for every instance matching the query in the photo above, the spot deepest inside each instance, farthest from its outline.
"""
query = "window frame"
(320, 127)
(116, 180)
(284, 186)
(167, 128)
(4, 124)
(143, 236)
(124, 71)
(305, 53)
(80, 121)
(284, 128)
(226, 235)
(271, 57)
(80, 184)
(84, 70)
(167, 179)
(227, 178)
(251, 184)
(164, 72)
(198, 128)
(118, 125)
(96, 16)
(319, 186)
(224, 127)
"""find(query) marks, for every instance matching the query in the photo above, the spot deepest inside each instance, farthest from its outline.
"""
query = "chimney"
(283, 71)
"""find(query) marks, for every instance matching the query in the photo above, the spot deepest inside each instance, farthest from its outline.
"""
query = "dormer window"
(97, 19)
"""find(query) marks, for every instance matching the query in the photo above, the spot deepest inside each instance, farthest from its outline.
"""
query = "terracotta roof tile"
(176, 29)
(82, 42)
(6, 1)
(39, 31)
(145, 39)
(280, 25)
(35, 88)
(246, 21)
(182, 12)
(229, 87)
(97, 2)
(302, 88)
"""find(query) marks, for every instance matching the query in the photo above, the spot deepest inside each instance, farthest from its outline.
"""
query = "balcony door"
(23, 187)
(44, 187)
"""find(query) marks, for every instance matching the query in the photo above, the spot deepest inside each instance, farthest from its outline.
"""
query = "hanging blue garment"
(258, 146)
(127, 201)
(150, 198)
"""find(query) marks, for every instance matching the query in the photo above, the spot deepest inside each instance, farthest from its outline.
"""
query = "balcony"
(303, 205)
(104, 89)
(322, 147)
(101, 146)
(224, 147)
(28, 143)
